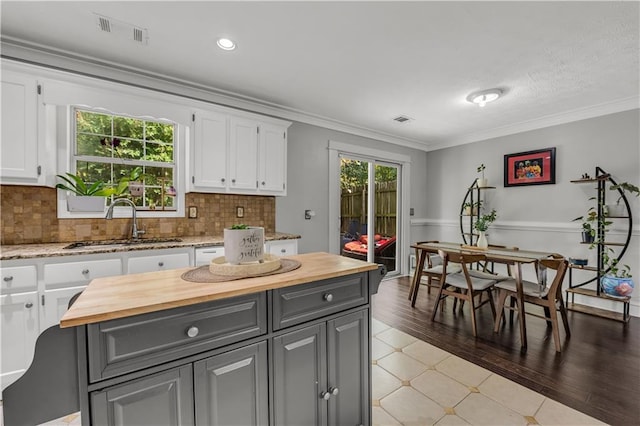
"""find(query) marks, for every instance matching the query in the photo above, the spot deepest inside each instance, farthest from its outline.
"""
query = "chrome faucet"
(134, 227)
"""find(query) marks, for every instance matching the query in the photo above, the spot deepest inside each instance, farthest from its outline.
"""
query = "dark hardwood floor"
(597, 372)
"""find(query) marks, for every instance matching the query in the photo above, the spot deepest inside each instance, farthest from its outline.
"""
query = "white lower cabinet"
(205, 255)
(159, 260)
(282, 247)
(20, 329)
(56, 304)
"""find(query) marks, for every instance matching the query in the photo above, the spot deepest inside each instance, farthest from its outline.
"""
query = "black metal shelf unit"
(472, 197)
(602, 178)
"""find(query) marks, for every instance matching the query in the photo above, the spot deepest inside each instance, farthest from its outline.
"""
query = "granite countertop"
(115, 297)
(30, 251)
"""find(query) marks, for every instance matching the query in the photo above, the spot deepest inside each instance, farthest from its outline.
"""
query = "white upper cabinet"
(210, 151)
(237, 154)
(19, 143)
(243, 154)
(272, 168)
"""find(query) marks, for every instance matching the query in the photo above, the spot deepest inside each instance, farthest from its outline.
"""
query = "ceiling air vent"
(122, 29)
(402, 119)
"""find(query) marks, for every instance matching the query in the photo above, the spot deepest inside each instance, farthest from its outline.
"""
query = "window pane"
(159, 132)
(159, 152)
(132, 149)
(90, 145)
(93, 172)
(128, 127)
(90, 122)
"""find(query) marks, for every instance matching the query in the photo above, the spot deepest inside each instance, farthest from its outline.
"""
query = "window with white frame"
(134, 156)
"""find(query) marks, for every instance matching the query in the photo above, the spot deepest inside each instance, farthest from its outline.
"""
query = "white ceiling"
(364, 63)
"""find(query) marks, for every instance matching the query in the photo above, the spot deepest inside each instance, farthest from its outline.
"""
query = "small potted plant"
(87, 198)
(133, 183)
(617, 280)
(481, 225)
(617, 209)
(482, 182)
(471, 209)
(590, 224)
(243, 243)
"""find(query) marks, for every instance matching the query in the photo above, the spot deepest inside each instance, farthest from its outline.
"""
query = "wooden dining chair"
(548, 297)
(462, 286)
(432, 272)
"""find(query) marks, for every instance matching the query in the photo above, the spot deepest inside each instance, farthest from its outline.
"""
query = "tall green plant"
(77, 185)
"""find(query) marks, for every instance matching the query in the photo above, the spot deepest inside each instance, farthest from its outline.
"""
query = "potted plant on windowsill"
(133, 183)
(481, 225)
(87, 198)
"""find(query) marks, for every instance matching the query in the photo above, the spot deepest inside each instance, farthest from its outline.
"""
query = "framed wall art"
(530, 168)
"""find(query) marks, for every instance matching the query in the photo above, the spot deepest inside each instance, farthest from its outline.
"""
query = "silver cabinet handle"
(223, 180)
(283, 250)
(9, 278)
(325, 396)
(193, 331)
(233, 181)
(85, 271)
(333, 391)
(28, 305)
(263, 183)
(328, 297)
(161, 264)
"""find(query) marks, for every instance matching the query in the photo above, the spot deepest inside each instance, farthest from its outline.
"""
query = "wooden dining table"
(508, 256)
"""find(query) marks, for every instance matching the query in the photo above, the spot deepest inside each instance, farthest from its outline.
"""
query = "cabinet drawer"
(283, 248)
(72, 272)
(204, 255)
(19, 278)
(295, 305)
(129, 344)
(160, 262)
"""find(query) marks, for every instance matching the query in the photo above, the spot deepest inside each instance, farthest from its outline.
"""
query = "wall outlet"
(239, 211)
(193, 212)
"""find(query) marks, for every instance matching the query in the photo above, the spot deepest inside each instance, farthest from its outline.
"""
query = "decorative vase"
(244, 245)
(136, 189)
(482, 240)
(482, 182)
(616, 287)
(587, 237)
(616, 210)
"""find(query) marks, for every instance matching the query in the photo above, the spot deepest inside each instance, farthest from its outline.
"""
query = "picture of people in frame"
(528, 169)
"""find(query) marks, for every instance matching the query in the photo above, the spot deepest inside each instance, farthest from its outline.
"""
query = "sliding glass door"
(368, 185)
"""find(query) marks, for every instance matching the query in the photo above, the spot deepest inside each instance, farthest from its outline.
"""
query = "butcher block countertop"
(127, 295)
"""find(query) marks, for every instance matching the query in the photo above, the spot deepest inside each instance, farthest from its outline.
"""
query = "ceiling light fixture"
(226, 43)
(484, 97)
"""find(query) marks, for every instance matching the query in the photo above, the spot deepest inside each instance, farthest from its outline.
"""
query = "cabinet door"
(159, 262)
(300, 377)
(205, 255)
(282, 247)
(19, 141)
(210, 167)
(19, 328)
(243, 158)
(273, 160)
(348, 369)
(56, 303)
(161, 399)
(232, 388)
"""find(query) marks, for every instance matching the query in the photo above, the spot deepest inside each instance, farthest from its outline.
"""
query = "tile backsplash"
(28, 216)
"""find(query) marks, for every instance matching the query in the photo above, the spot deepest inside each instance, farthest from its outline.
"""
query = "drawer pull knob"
(28, 305)
(283, 250)
(328, 297)
(161, 264)
(333, 391)
(222, 180)
(325, 396)
(233, 181)
(9, 278)
(85, 271)
(263, 183)
(193, 331)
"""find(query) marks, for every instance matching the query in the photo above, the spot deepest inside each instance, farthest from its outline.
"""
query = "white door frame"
(404, 161)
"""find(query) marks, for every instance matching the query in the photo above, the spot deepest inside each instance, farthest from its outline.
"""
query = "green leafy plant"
(123, 184)
(480, 169)
(77, 185)
(590, 224)
(483, 222)
(625, 186)
(240, 226)
(611, 263)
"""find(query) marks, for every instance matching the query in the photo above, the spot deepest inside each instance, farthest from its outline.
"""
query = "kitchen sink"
(121, 243)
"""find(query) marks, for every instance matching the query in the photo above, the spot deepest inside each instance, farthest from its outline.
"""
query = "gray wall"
(308, 182)
(540, 217)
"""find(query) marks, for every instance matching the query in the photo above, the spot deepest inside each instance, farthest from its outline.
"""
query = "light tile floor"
(415, 383)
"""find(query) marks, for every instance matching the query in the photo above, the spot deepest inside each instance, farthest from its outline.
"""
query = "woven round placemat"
(202, 274)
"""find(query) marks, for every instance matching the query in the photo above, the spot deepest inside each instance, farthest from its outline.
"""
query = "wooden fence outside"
(353, 207)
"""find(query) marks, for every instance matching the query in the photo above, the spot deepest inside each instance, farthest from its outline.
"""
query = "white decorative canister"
(482, 240)
(244, 245)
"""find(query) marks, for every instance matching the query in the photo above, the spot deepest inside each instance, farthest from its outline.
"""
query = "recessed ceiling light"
(484, 97)
(226, 43)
